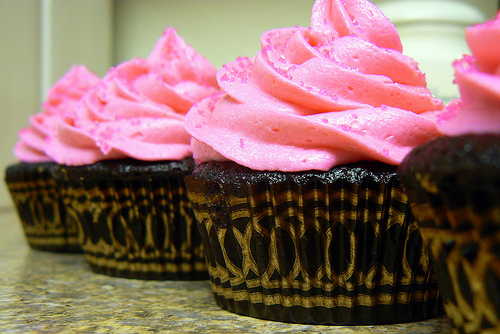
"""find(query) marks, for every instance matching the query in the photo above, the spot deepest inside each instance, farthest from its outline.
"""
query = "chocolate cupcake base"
(453, 184)
(40, 207)
(135, 219)
(338, 247)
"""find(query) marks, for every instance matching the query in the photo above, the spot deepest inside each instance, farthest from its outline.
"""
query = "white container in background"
(433, 33)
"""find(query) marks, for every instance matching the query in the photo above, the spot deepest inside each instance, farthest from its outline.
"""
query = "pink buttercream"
(313, 98)
(138, 108)
(61, 99)
(478, 78)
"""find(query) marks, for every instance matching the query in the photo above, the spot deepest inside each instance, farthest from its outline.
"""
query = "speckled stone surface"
(43, 292)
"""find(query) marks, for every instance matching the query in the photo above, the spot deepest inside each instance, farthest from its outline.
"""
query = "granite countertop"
(42, 292)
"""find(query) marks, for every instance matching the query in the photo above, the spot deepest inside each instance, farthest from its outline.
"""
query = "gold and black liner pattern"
(455, 198)
(40, 207)
(315, 252)
(136, 225)
(468, 271)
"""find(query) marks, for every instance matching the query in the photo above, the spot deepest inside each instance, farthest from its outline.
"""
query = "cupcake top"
(477, 111)
(337, 92)
(61, 98)
(137, 110)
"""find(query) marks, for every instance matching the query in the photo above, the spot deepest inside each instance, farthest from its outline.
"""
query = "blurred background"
(41, 39)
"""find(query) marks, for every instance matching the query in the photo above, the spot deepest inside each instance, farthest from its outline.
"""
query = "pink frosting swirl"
(138, 108)
(477, 111)
(61, 99)
(338, 92)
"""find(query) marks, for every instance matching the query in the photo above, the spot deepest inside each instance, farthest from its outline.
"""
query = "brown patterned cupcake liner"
(135, 219)
(39, 203)
(313, 249)
(454, 190)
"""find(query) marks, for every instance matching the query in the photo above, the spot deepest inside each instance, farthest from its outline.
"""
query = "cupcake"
(123, 155)
(295, 190)
(453, 183)
(35, 193)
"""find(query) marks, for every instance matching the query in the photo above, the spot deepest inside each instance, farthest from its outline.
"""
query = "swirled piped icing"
(62, 97)
(138, 109)
(477, 111)
(338, 92)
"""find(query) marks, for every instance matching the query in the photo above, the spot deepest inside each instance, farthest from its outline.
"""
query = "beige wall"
(219, 29)
(39, 41)
(19, 74)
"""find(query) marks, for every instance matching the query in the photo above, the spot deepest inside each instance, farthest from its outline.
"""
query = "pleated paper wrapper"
(455, 197)
(315, 249)
(40, 207)
(135, 220)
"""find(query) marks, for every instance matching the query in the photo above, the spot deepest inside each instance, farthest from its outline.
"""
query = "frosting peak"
(138, 108)
(483, 40)
(478, 79)
(63, 97)
(313, 98)
(336, 18)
